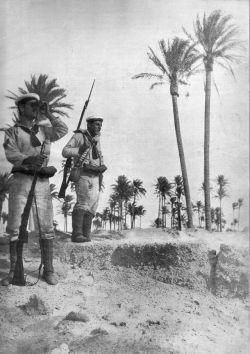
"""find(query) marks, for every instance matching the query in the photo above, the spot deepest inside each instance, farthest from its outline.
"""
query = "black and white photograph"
(124, 177)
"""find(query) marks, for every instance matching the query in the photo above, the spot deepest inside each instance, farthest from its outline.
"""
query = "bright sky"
(76, 41)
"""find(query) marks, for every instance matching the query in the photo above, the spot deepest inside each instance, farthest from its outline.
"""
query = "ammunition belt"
(43, 172)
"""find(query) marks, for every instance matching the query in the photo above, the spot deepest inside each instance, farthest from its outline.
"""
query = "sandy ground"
(142, 291)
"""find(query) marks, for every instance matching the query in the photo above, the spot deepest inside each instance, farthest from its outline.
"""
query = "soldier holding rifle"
(22, 147)
(88, 167)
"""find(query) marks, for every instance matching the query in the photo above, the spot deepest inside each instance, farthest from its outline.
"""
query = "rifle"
(18, 278)
(67, 166)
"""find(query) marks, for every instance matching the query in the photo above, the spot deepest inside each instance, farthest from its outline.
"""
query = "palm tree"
(105, 217)
(216, 38)
(48, 90)
(217, 217)
(212, 216)
(113, 202)
(163, 188)
(199, 207)
(240, 203)
(173, 211)
(235, 222)
(140, 212)
(221, 193)
(5, 182)
(137, 191)
(177, 66)
(234, 206)
(123, 190)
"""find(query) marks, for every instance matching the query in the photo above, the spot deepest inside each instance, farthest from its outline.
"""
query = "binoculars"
(41, 105)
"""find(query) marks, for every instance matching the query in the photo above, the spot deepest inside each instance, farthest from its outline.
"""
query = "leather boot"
(13, 256)
(86, 226)
(47, 260)
(77, 221)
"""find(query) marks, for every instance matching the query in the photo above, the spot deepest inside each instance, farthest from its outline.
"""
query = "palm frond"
(148, 76)
(22, 91)
(153, 57)
(216, 87)
(61, 113)
(62, 105)
(48, 90)
(156, 84)
(226, 65)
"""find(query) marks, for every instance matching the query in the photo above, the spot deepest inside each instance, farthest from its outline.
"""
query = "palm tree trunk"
(239, 219)
(206, 150)
(182, 161)
(220, 217)
(159, 207)
(1, 209)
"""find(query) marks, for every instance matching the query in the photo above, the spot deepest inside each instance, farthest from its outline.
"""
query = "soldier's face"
(29, 109)
(95, 127)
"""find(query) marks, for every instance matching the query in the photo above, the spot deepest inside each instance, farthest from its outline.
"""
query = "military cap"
(94, 118)
(27, 97)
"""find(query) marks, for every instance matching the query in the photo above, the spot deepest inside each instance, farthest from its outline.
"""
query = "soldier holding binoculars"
(22, 147)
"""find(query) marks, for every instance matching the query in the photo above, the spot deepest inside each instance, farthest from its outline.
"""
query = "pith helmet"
(27, 97)
(94, 118)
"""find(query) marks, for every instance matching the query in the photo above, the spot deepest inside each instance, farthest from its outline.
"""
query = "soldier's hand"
(35, 161)
(44, 109)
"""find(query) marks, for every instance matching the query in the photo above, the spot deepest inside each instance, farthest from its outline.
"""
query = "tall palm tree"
(178, 64)
(48, 90)
(5, 183)
(222, 182)
(216, 38)
(240, 203)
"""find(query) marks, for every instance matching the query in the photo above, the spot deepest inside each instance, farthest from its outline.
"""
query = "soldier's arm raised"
(58, 130)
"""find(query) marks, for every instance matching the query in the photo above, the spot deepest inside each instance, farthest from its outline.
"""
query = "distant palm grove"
(124, 210)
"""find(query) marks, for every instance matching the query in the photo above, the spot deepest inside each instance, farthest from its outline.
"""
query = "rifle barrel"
(85, 106)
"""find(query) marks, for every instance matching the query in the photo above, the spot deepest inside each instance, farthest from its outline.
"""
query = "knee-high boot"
(86, 226)
(77, 222)
(13, 256)
(47, 260)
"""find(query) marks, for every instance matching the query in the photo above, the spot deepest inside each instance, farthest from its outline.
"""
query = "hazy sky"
(77, 41)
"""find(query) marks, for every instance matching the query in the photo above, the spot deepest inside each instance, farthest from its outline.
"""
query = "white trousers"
(18, 195)
(87, 193)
